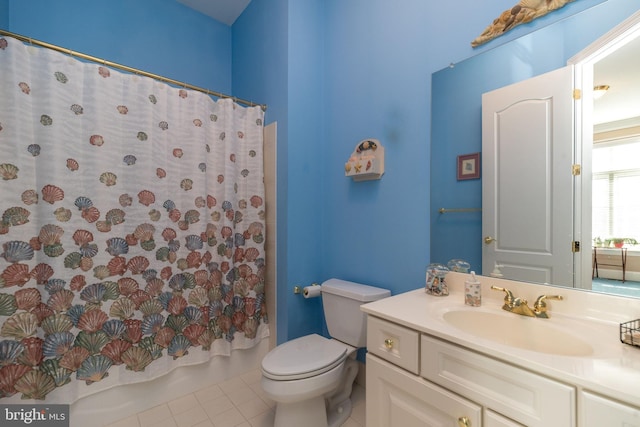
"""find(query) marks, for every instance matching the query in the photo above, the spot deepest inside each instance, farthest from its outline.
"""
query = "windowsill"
(631, 250)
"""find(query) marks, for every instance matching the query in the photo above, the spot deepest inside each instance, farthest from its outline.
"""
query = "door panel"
(527, 190)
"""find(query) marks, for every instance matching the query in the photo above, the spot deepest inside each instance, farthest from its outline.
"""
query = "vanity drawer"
(521, 395)
(394, 343)
(598, 411)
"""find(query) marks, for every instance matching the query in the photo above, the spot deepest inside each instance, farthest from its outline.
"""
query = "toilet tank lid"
(356, 291)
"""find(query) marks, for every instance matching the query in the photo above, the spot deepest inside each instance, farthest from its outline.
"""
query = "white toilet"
(310, 378)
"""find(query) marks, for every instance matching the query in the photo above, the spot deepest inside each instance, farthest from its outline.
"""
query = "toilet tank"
(341, 301)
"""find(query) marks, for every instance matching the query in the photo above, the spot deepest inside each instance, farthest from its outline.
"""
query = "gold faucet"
(513, 304)
(540, 306)
(521, 307)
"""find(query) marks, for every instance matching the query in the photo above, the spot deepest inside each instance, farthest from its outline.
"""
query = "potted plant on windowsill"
(619, 242)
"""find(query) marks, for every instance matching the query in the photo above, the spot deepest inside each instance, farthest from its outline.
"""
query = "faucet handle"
(513, 304)
(508, 293)
(509, 299)
(540, 306)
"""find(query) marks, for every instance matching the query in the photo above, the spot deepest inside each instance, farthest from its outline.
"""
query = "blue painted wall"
(307, 152)
(260, 54)
(278, 57)
(332, 72)
(4, 14)
(159, 36)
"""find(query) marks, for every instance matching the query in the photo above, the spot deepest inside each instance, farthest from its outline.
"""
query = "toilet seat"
(303, 357)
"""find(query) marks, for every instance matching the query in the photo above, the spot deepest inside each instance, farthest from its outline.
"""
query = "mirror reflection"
(456, 100)
(615, 170)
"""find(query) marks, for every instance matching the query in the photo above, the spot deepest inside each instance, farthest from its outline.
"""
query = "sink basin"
(522, 332)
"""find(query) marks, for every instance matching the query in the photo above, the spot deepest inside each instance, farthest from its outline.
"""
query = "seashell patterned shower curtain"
(132, 227)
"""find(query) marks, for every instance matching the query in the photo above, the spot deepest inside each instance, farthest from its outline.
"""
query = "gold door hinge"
(577, 94)
(576, 170)
(575, 246)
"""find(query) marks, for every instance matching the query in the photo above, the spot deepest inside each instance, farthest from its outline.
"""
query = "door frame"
(583, 63)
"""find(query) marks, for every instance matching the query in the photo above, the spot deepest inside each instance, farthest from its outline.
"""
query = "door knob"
(388, 343)
(489, 240)
(464, 422)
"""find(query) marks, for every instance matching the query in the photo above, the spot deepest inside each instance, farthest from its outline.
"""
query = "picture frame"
(469, 166)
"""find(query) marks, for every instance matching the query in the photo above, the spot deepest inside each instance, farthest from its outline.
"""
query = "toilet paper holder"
(298, 289)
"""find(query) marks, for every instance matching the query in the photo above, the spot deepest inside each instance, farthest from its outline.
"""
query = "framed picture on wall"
(469, 166)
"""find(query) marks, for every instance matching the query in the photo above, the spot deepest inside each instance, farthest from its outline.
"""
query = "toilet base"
(339, 414)
(312, 413)
(308, 413)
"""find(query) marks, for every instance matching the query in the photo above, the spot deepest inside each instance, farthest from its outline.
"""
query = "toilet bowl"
(311, 378)
(301, 374)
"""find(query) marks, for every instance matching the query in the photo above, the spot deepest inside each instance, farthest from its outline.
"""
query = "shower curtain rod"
(128, 69)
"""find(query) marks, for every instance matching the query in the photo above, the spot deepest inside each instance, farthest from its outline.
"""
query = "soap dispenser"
(472, 291)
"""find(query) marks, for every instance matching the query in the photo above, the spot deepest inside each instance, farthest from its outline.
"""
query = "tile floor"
(238, 402)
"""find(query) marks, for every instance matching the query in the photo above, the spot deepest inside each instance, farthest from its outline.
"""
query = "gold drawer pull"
(464, 422)
(388, 343)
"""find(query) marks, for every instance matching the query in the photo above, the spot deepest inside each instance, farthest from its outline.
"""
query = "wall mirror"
(456, 219)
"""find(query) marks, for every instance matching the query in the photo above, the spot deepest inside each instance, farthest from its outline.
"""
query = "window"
(616, 189)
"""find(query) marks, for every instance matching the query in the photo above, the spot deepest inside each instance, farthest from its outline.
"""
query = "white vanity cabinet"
(497, 369)
(492, 419)
(520, 395)
(414, 379)
(396, 397)
(597, 411)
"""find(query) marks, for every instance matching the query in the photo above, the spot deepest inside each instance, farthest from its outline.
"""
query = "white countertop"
(613, 369)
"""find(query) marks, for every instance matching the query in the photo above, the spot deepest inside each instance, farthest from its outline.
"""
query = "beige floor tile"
(131, 421)
(228, 404)
(351, 423)
(252, 377)
(183, 404)
(232, 385)
(265, 419)
(241, 395)
(169, 422)
(153, 416)
(252, 408)
(359, 412)
(218, 406)
(191, 417)
(230, 418)
(208, 394)
(257, 389)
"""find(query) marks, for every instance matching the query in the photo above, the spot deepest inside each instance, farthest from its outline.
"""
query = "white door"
(527, 193)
